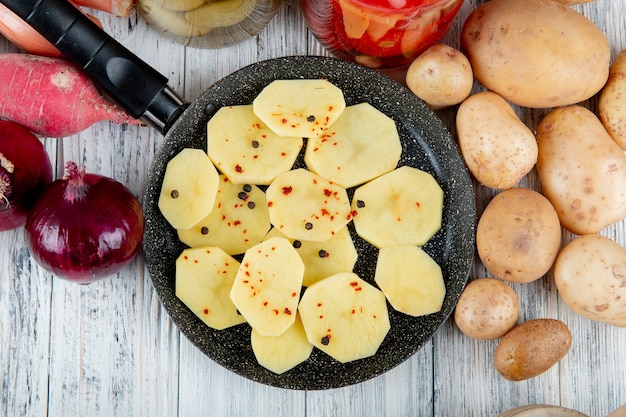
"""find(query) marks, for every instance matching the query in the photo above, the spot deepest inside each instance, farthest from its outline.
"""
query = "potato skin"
(590, 275)
(532, 348)
(611, 105)
(518, 235)
(487, 309)
(536, 53)
(581, 169)
(441, 76)
(498, 149)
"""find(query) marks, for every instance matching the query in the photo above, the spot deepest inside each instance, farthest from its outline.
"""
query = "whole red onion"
(84, 227)
(24, 170)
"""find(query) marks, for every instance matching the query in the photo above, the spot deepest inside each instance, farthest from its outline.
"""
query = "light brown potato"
(441, 76)
(487, 309)
(581, 169)
(518, 235)
(532, 348)
(611, 105)
(497, 147)
(590, 274)
(536, 53)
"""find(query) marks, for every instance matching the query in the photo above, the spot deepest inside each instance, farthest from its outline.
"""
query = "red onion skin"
(31, 172)
(87, 239)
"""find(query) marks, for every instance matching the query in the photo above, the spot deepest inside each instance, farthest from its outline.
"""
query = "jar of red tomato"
(379, 33)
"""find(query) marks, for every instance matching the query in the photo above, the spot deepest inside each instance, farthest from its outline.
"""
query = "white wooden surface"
(109, 349)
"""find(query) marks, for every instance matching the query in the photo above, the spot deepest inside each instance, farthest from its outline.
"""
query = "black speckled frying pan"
(427, 145)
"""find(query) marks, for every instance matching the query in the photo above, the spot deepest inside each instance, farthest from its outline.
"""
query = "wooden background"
(109, 349)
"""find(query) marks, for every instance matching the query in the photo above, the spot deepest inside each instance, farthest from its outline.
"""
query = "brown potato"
(590, 274)
(518, 235)
(581, 169)
(441, 76)
(532, 348)
(487, 309)
(536, 53)
(611, 105)
(496, 145)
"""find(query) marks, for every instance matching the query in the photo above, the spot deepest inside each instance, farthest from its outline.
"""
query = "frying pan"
(144, 93)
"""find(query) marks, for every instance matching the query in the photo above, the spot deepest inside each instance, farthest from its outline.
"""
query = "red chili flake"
(293, 294)
(206, 311)
(319, 304)
(219, 205)
(352, 214)
(417, 203)
(321, 317)
(275, 311)
(283, 154)
(354, 284)
(315, 181)
(265, 304)
(325, 212)
(374, 316)
(270, 203)
(245, 281)
(287, 311)
(237, 222)
(287, 190)
(358, 289)
(315, 149)
(238, 169)
(283, 121)
(330, 108)
(223, 217)
(195, 261)
(328, 192)
(185, 257)
(247, 274)
(353, 311)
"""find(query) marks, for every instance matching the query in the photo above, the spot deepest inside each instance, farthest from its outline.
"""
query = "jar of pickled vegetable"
(379, 33)
(208, 23)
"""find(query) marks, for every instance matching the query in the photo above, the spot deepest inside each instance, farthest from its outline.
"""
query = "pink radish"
(51, 97)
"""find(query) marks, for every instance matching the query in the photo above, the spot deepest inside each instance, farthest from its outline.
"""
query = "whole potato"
(518, 235)
(441, 76)
(611, 105)
(497, 147)
(532, 348)
(487, 309)
(590, 275)
(536, 53)
(581, 169)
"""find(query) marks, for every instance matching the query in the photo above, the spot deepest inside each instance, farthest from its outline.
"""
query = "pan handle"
(124, 77)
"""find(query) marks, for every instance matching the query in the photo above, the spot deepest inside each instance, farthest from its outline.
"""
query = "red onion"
(84, 227)
(24, 170)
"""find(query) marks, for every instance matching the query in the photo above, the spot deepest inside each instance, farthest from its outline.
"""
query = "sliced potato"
(171, 21)
(305, 206)
(402, 207)
(282, 353)
(345, 317)
(410, 279)
(204, 277)
(245, 149)
(239, 219)
(189, 188)
(267, 286)
(220, 13)
(361, 145)
(323, 259)
(299, 107)
(176, 5)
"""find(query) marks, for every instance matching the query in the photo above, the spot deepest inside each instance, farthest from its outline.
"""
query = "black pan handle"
(124, 77)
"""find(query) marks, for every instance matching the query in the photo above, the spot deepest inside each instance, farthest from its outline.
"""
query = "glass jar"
(381, 34)
(208, 23)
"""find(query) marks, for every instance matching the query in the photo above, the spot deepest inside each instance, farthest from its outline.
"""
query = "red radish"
(52, 97)
(84, 227)
(24, 170)
(22, 35)
(121, 8)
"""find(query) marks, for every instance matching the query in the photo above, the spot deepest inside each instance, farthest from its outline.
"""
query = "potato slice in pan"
(245, 149)
(410, 279)
(402, 207)
(282, 353)
(300, 107)
(189, 188)
(267, 287)
(305, 206)
(239, 219)
(323, 259)
(361, 145)
(345, 317)
(204, 277)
